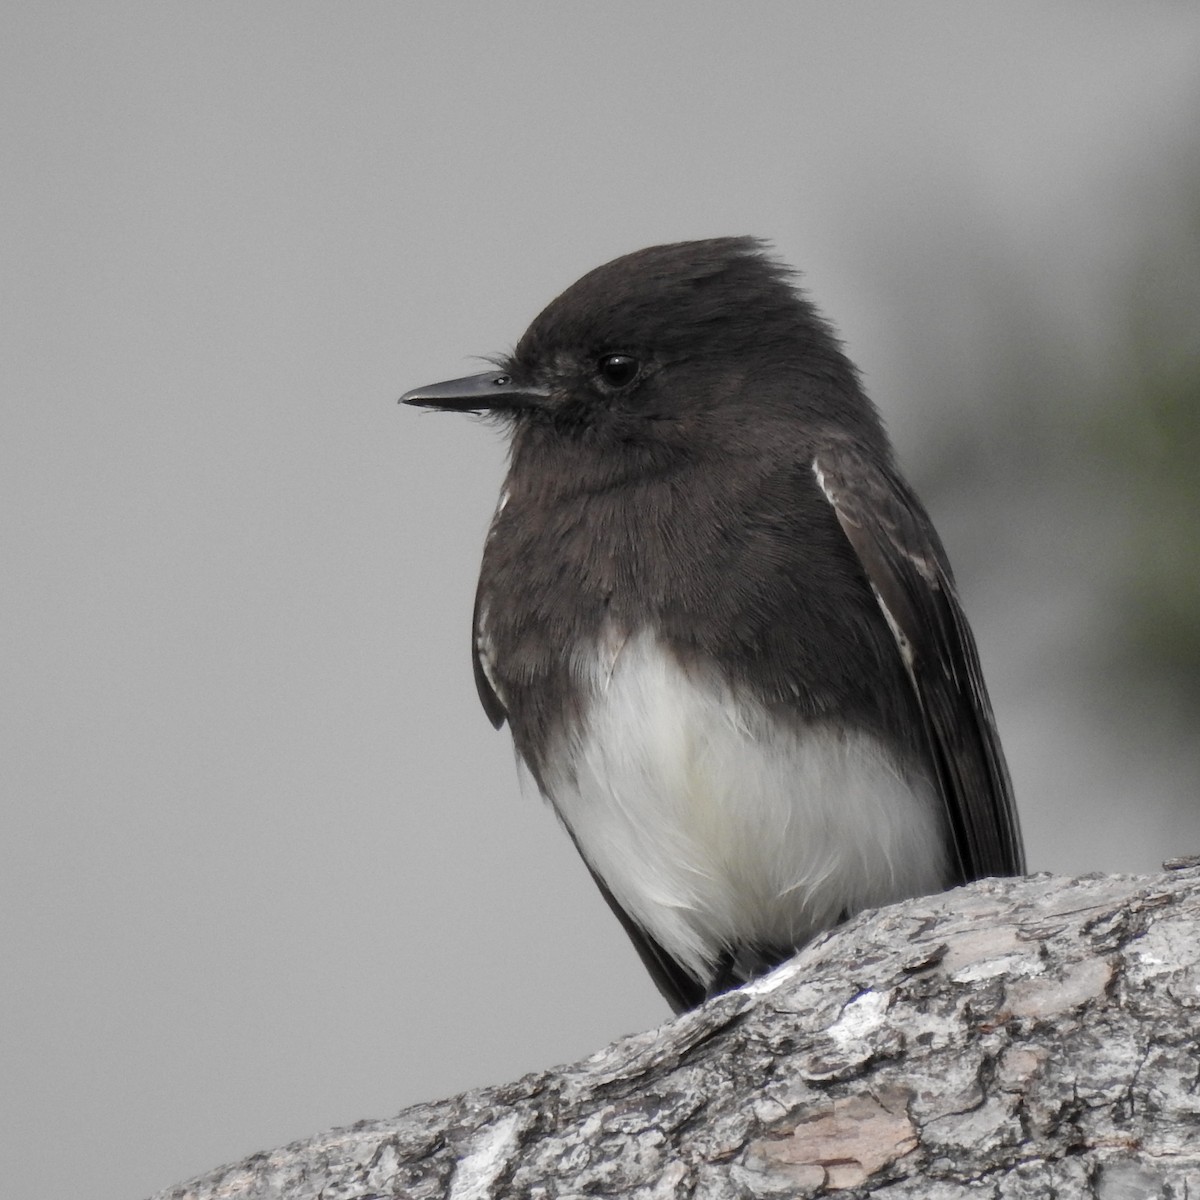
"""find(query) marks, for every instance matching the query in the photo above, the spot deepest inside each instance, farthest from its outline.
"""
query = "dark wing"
(907, 568)
(679, 989)
(489, 695)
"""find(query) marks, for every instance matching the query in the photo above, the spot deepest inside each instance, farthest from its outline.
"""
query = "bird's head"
(662, 345)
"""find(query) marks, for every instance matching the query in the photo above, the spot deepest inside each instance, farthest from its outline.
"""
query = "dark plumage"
(702, 517)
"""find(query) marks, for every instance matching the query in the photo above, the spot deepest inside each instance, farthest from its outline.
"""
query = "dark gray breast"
(726, 561)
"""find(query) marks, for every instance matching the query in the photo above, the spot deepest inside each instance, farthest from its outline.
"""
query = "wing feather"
(485, 684)
(907, 568)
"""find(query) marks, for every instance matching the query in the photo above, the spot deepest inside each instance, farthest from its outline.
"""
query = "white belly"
(715, 829)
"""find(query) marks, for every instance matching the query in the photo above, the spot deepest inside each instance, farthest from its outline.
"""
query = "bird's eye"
(618, 370)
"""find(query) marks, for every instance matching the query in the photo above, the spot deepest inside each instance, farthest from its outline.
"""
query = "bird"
(720, 625)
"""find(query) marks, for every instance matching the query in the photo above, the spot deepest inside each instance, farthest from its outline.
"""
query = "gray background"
(265, 866)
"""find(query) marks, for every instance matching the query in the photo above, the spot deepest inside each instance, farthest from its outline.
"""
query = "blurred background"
(265, 866)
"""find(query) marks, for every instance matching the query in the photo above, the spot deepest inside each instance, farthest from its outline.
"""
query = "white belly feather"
(715, 828)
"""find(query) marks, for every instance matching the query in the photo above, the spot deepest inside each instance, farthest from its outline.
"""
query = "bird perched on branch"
(718, 622)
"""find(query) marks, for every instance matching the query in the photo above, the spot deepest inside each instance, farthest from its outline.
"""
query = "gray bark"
(1015, 1038)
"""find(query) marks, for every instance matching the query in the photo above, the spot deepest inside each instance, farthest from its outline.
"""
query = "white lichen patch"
(989, 968)
(860, 1018)
(476, 1171)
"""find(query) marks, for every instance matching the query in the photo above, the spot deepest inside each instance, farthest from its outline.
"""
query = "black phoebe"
(720, 625)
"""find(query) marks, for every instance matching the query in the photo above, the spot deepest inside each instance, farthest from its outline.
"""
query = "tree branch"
(1015, 1038)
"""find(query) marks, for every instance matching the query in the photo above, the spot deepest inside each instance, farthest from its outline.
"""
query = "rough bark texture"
(1017, 1038)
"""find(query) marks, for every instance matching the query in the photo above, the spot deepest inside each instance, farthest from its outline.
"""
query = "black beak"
(490, 391)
